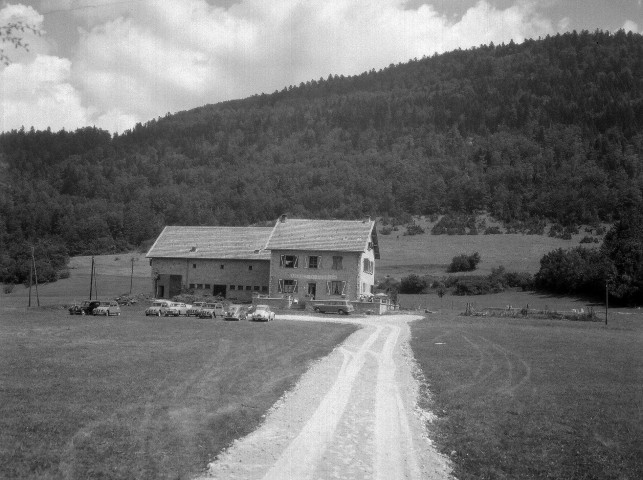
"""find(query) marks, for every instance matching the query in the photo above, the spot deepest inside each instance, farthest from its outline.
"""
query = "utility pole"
(91, 280)
(131, 278)
(33, 273)
(606, 300)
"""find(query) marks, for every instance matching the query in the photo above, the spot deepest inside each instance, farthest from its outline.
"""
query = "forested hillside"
(547, 129)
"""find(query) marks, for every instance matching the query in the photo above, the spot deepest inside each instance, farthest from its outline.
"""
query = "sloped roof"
(235, 243)
(324, 235)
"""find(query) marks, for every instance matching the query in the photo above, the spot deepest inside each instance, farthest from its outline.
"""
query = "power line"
(84, 7)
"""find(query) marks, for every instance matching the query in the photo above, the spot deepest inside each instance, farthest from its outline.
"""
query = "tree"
(623, 246)
(464, 263)
(12, 33)
(412, 284)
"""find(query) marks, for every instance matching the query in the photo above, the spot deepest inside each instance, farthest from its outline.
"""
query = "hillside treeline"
(546, 129)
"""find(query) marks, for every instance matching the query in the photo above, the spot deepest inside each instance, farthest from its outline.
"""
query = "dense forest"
(547, 129)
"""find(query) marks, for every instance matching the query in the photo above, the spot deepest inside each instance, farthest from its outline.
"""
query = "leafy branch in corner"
(13, 33)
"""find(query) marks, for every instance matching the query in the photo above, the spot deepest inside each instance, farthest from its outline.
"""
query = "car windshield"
(262, 307)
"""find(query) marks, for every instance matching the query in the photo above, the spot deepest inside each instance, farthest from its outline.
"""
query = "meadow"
(528, 398)
(133, 397)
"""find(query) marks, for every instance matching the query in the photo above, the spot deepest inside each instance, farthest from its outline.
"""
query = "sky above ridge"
(113, 63)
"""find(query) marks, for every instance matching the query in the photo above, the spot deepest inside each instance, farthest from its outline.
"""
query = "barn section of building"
(298, 258)
(227, 261)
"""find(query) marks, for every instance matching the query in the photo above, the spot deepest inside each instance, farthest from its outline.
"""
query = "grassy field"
(136, 397)
(431, 254)
(535, 399)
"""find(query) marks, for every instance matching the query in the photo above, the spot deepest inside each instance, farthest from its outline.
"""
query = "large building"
(321, 259)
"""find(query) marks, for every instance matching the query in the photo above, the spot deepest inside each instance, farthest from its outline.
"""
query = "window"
(249, 288)
(199, 285)
(239, 287)
(232, 287)
(337, 263)
(287, 286)
(264, 288)
(313, 261)
(249, 267)
(256, 288)
(335, 287)
(289, 261)
(368, 266)
(206, 286)
(194, 265)
(192, 285)
(222, 266)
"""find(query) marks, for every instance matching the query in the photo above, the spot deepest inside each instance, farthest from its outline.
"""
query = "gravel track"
(353, 415)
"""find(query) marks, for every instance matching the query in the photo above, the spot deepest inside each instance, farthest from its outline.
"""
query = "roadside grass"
(428, 254)
(136, 397)
(527, 399)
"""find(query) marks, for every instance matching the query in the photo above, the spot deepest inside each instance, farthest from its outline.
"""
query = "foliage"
(623, 246)
(578, 271)
(412, 284)
(455, 225)
(12, 33)
(546, 130)
(464, 263)
(413, 229)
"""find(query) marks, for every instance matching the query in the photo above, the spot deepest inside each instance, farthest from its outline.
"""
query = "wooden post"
(35, 272)
(131, 278)
(91, 280)
(606, 301)
(30, 280)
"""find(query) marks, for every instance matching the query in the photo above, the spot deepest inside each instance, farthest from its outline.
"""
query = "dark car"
(235, 313)
(85, 308)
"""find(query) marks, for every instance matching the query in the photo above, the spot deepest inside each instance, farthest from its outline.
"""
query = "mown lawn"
(535, 399)
(136, 397)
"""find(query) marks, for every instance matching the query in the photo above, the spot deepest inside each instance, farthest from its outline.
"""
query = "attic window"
(193, 249)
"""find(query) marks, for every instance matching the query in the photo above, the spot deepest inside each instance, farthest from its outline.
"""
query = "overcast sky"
(112, 63)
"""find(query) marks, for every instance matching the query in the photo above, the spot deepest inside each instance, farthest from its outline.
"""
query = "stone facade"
(233, 279)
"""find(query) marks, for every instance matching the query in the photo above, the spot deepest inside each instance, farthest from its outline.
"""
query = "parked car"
(235, 313)
(195, 309)
(156, 308)
(175, 309)
(107, 309)
(212, 310)
(262, 313)
(85, 308)
(343, 307)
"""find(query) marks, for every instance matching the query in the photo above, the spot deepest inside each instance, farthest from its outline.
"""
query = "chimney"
(282, 219)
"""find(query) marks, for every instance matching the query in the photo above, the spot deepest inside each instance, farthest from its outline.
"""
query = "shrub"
(412, 284)
(386, 231)
(8, 288)
(492, 231)
(454, 225)
(587, 239)
(413, 229)
(464, 263)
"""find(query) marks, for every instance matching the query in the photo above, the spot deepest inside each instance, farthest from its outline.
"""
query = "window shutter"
(343, 288)
(319, 262)
(296, 264)
(294, 288)
(306, 262)
(282, 260)
(281, 286)
(328, 287)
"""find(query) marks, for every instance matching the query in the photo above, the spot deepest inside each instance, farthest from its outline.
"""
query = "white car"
(212, 310)
(107, 309)
(262, 313)
(195, 309)
(175, 309)
(156, 308)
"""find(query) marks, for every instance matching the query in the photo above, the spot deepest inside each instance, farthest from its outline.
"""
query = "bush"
(464, 263)
(454, 225)
(386, 230)
(492, 231)
(587, 239)
(8, 288)
(413, 230)
(412, 284)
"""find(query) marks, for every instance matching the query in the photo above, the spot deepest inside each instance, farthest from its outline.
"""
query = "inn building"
(299, 258)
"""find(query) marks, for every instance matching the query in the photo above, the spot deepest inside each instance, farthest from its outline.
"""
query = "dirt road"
(353, 415)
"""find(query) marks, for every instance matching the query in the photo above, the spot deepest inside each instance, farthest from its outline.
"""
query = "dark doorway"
(160, 291)
(218, 290)
(312, 290)
(175, 285)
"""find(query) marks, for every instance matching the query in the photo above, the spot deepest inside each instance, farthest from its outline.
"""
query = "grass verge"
(135, 397)
(523, 399)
